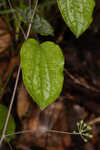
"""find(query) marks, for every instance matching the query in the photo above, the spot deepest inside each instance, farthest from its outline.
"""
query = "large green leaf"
(42, 70)
(11, 123)
(77, 14)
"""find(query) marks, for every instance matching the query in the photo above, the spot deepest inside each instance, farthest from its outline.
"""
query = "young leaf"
(77, 14)
(42, 70)
(42, 26)
(11, 123)
(39, 24)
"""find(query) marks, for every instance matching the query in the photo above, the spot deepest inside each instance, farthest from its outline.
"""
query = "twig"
(20, 132)
(10, 107)
(48, 131)
(62, 132)
(30, 3)
(81, 82)
(29, 27)
(10, 5)
(16, 82)
(96, 120)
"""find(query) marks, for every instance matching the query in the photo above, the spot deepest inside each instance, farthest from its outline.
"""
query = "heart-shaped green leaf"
(77, 14)
(11, 124)
(42, 70)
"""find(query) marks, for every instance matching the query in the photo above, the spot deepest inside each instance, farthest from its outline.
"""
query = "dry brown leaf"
(5, 37)
(39, 122)
(23, 102)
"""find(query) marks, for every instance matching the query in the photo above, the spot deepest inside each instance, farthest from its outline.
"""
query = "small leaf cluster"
(83, 130)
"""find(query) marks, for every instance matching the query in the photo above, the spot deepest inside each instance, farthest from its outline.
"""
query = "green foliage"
(23, 14)
(11, 123)
(77, 14)
(41, 26)
(42, 69)
(43, 64)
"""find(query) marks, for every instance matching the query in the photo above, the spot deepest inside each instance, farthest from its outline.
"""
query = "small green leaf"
(11, 123)
(42, 26)
(39, 24)
(42, 70)
(77, 14)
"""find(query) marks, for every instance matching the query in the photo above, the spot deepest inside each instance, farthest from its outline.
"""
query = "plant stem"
(63, 132)
(16, 82)
(10, 107)
(17, 25)
(48, 131)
